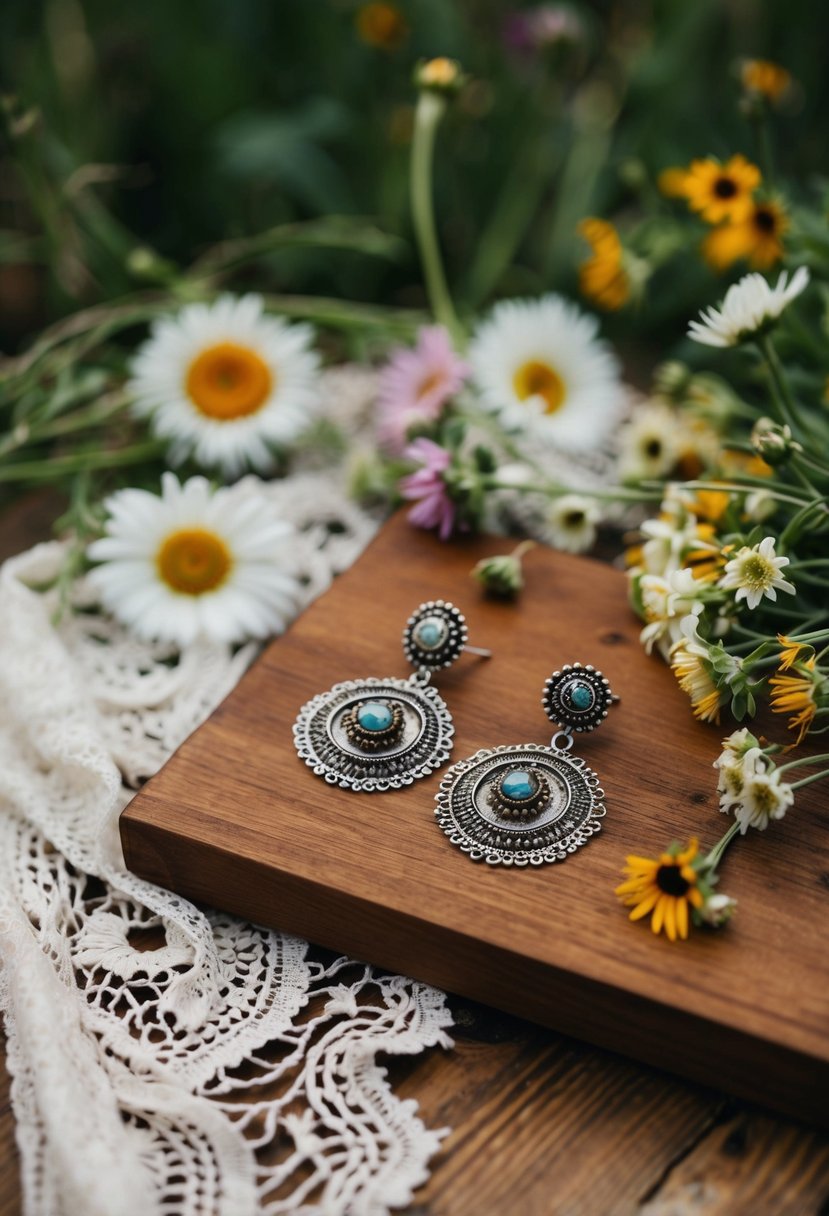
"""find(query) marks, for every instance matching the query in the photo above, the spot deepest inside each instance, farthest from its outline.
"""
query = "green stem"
(37, 471)
(429, 112)
(552, 490)
(804, 781)
(782, 394)
(784, 768)
(737, 488)
(714, 858)
(792, 528)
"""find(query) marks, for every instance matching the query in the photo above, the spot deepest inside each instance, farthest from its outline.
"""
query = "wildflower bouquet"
(517, 419)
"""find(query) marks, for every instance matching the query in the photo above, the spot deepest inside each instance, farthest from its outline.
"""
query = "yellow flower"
(664, 888)
(672, 182)
(756, 238)
(381, 25)
(705, 559)
(765, 78)
(602, 277)
(795, 695)
(721, 191)
(790, 650)
(694, 678)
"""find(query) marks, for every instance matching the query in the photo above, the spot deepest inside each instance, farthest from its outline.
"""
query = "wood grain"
(466, 1087)
(236, 820)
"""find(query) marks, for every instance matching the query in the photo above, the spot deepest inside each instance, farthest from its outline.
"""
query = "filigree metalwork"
(324, 734)
(471, 817)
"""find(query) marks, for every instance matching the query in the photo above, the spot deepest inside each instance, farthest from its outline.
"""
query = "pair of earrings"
(512, 805)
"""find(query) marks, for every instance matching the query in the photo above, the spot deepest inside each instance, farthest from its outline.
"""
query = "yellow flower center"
(757, 572)
(193, 561)
(537, 379)
(228, 381)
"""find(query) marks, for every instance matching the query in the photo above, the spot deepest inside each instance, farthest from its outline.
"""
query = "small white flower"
(226, 384)
(747, 307)
(755, 572)
(649, 444)
(764, 797)
(194, 562)
(716, 910)
(570, 523)
(736, 763)
(541, 368)
(666, 601)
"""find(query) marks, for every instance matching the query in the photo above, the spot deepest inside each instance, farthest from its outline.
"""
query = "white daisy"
(748, 306)
(763, 797)
(666, 602)
(225, 383)
(194, 562)
(755, 572)
(570, 523)
(540, 366)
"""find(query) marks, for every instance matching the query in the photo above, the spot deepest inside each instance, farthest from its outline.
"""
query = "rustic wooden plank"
(544, 1124)
(731, 1169)
(750, 1164)
(236, 820)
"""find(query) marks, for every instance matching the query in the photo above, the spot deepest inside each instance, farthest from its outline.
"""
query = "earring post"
(485, 654)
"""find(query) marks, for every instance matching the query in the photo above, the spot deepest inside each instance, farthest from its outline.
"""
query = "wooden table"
(543, 1124)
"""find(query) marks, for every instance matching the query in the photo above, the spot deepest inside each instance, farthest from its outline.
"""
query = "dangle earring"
(383, 734)
(528, 804)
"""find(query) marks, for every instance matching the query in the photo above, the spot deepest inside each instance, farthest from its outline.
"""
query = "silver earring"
(382, 734)
(530, 804)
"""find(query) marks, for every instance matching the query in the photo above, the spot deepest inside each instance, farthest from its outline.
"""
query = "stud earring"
(382, 734)
(530, 804)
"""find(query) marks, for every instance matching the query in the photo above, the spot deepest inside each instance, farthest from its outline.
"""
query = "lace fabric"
(164, 1059)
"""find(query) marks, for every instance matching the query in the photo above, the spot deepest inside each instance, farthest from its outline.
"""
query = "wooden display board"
(237, 821)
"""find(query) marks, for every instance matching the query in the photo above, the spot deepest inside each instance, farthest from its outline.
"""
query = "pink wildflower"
(416, 384)
(427, 489)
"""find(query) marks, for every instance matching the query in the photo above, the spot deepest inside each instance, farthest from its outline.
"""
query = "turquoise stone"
(518, 785)
(581, 696)
(430, 634)
(374, 715)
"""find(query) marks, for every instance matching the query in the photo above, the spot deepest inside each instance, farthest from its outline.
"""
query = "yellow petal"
(644, 863)
(659, 914)
(670, 918)
(694, 896)
(645, 906)
(682, 918)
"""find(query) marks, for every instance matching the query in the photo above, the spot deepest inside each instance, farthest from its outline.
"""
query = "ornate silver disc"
(375, 734)
(520, 805)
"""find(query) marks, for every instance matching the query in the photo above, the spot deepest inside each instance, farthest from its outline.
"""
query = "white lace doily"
(167, 1061)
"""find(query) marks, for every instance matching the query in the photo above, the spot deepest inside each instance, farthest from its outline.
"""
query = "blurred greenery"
(174, 128)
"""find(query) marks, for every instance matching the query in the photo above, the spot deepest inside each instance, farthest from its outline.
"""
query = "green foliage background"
(177, 126)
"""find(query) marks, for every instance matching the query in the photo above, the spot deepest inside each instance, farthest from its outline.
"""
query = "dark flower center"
(653, 448)
(669, 880)
(724, 187)
(765, 220)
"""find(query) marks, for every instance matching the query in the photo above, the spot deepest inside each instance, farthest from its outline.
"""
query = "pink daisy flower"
(416, 384)
(427, 489)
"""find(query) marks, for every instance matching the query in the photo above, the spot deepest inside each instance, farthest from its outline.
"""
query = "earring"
(530, 804)
(382, 734)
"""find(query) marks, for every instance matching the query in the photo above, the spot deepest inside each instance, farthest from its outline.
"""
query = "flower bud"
(439, 75)
(671, 379)
(502, 575)
(773, 441)
(717, 910)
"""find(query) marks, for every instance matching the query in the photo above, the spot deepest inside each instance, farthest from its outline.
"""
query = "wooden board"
(237, 821)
